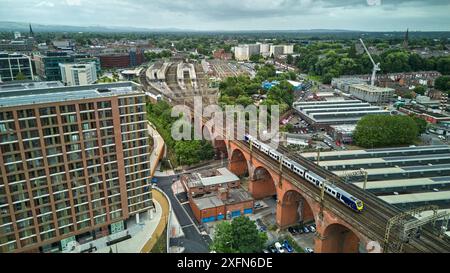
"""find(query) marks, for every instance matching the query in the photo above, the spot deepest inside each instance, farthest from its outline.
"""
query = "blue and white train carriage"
(344, 197)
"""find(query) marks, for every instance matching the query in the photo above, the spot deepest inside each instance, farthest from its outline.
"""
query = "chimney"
(222, 193)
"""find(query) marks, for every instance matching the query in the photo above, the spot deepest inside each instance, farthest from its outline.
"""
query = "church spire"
(406, 41)
(31, 32)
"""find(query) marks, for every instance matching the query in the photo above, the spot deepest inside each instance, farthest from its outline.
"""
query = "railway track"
(371, 222)
(376, 208)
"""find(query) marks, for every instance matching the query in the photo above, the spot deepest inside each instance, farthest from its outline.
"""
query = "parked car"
(292, 230)
(312, 229)
(305, 230)
(262, 228)
(309, 250)
(287, 246)
(272, 249)
(265, 251)
(279, 247)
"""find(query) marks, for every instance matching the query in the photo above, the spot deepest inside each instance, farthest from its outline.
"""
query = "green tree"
(442, 83)
(289, 59)
(374, 131)
(420, 90)
(238, 236)
(191, 152)
(289, 128)
(421, 124)
(255, 58)
(443, 65)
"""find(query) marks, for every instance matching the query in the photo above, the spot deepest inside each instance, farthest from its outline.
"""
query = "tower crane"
(376, 67)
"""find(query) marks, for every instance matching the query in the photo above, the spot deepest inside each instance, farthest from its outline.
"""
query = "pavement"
(158, 148)
(159, 198)
(140, 233)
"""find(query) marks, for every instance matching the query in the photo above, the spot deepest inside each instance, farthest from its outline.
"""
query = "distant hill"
(7, 26)
(24, 27)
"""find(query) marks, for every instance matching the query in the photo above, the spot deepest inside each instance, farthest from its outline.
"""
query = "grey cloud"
(234, 14)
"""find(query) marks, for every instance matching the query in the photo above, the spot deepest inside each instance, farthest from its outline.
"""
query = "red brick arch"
(338, 238)
(238, 163)
(293, 207)
(262, 184)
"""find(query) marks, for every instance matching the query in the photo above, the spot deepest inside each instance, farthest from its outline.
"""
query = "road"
(193, 241)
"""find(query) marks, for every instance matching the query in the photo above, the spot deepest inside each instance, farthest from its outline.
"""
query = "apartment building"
(74, 164)
(78, 74)
(244, 52)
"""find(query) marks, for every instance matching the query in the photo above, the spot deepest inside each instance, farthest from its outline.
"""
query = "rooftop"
(25, 94)
(207, 202)
(401, 176)
(212, 200)
(208, 179)
(370, 88)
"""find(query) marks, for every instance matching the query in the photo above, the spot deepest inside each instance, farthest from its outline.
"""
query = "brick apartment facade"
(74, 162)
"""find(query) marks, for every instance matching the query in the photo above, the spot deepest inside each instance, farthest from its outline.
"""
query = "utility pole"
(318, 156)
(366, 174)
(322, 195)
(280, 183)
(406, 223)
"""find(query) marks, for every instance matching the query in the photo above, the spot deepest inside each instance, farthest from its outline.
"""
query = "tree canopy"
(188, 152)
(443, 83)
(238, 90)
(150, 56)
(374, 131)
(330, 60)
(238, 236)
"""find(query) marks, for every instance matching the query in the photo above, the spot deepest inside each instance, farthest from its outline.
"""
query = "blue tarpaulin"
(208, 219)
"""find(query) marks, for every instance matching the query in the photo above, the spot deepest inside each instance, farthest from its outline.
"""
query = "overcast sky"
(370, 15)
